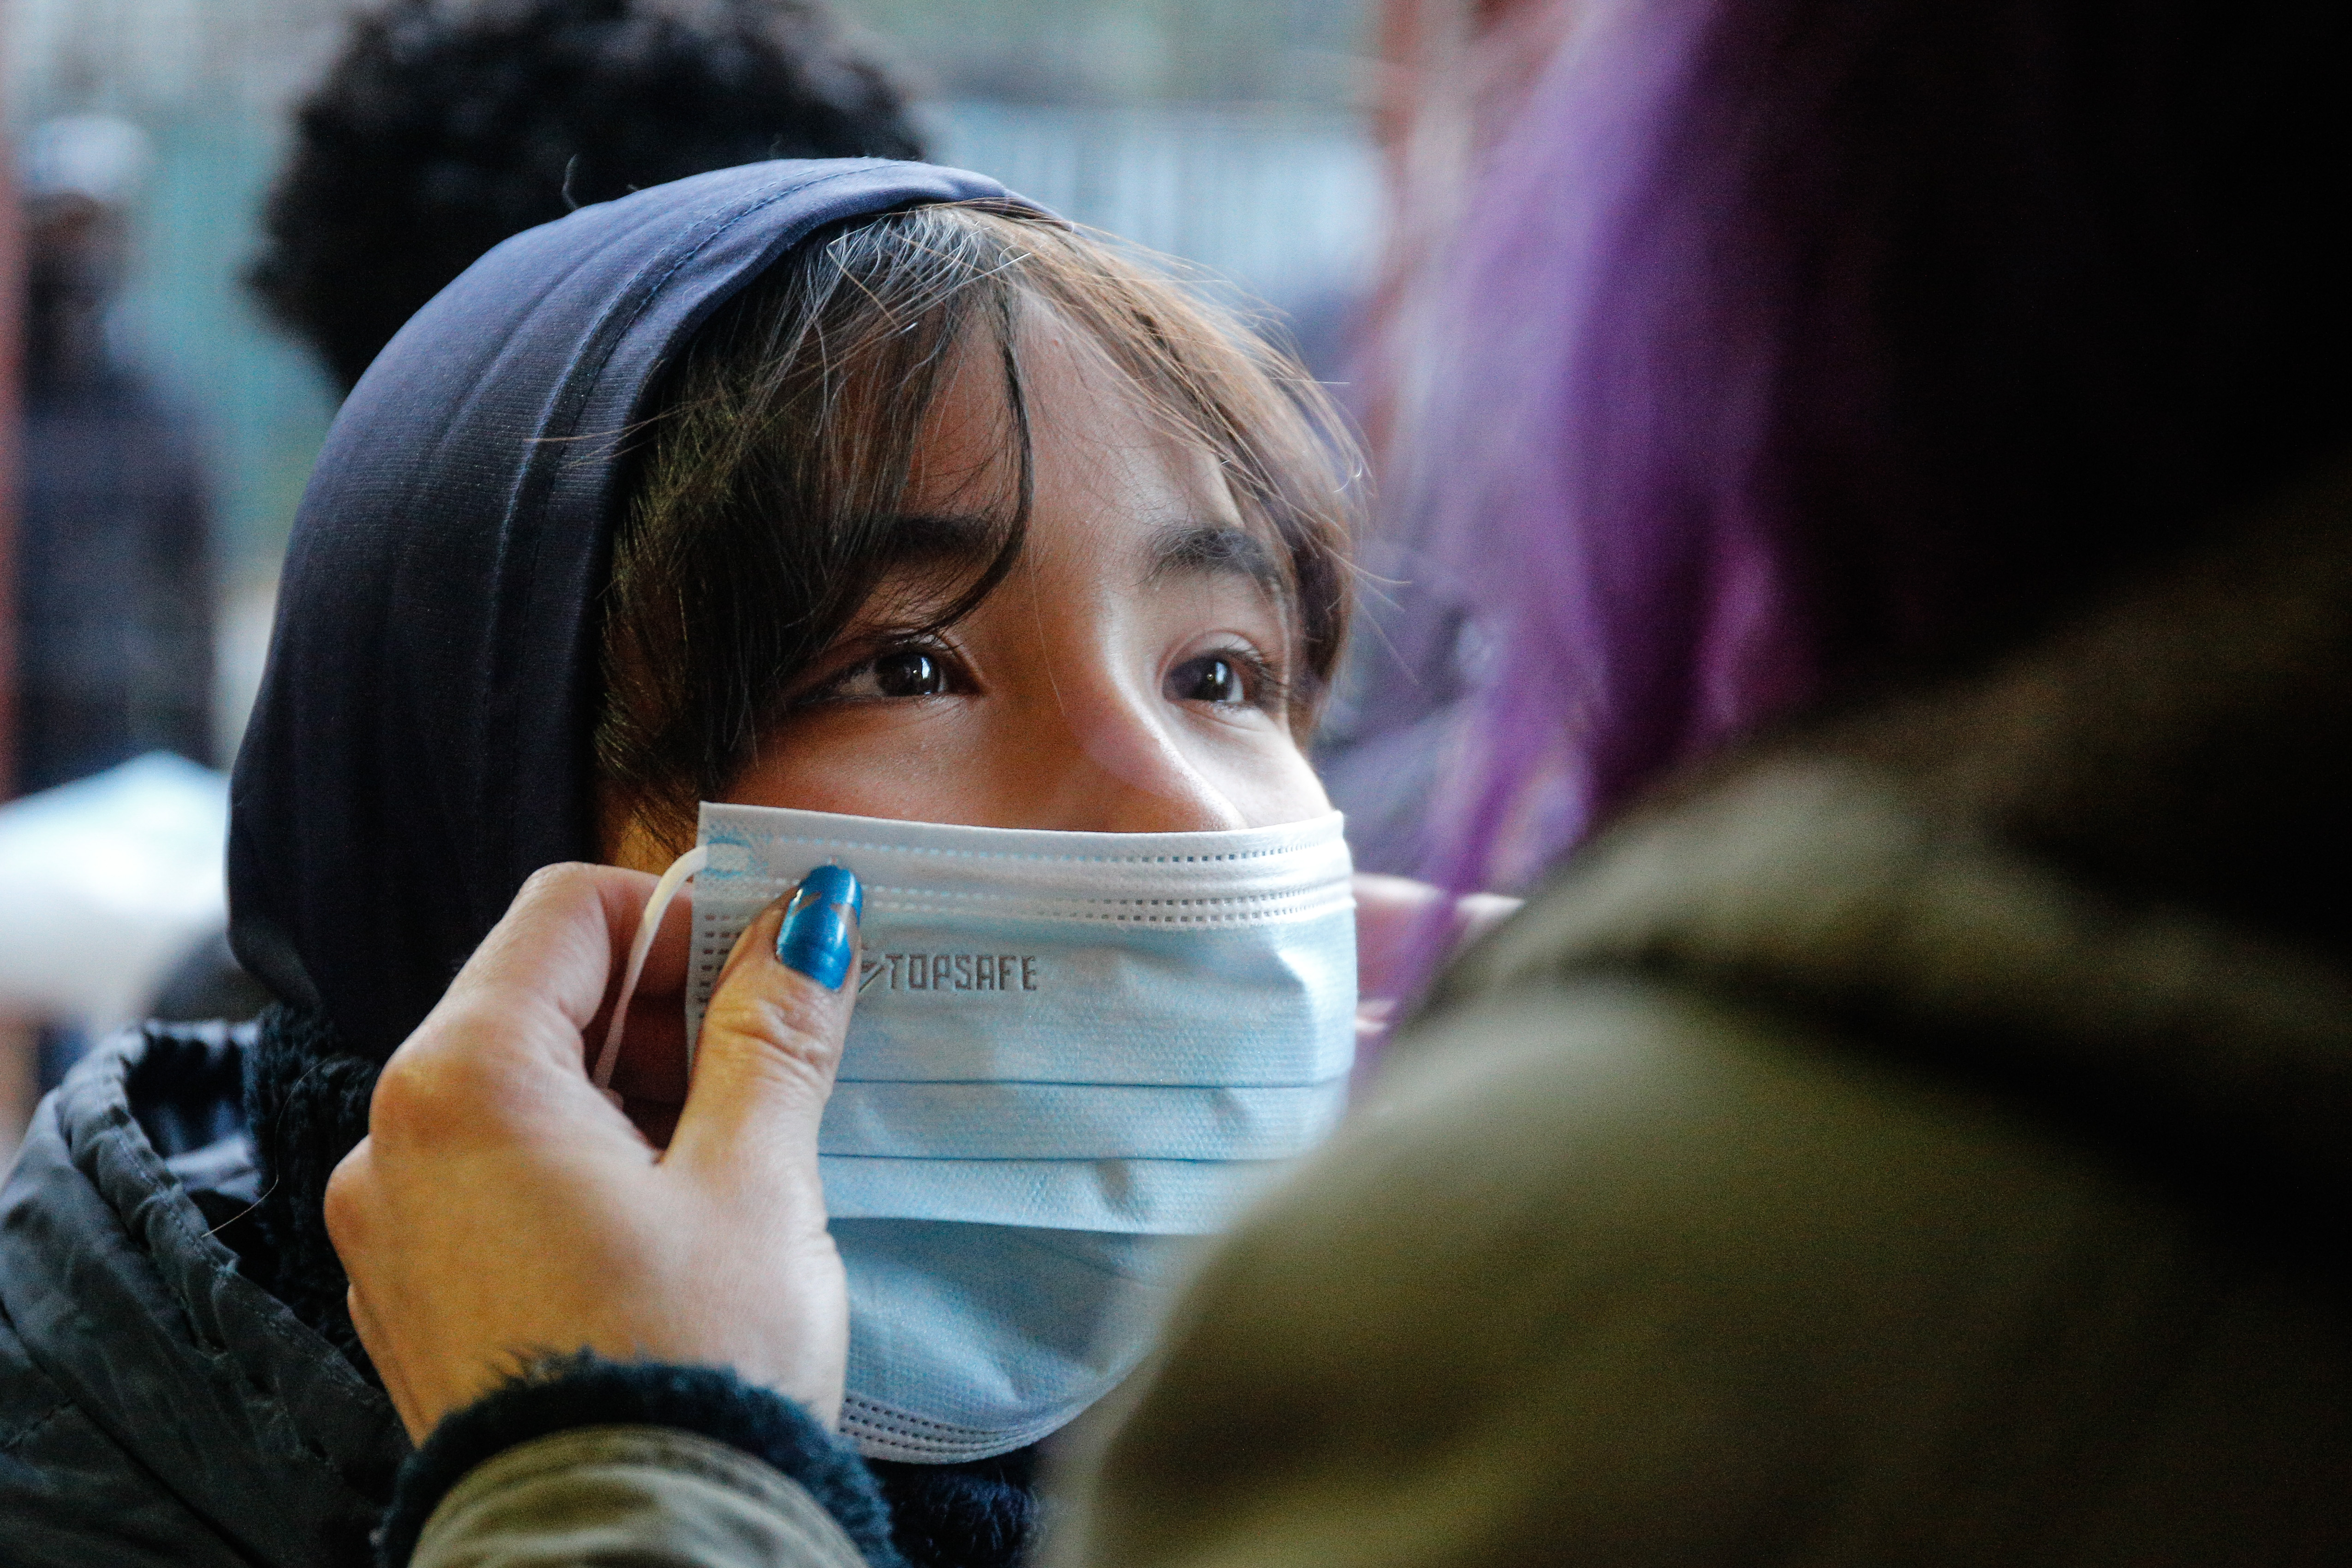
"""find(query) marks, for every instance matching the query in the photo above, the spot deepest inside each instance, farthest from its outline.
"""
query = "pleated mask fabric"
(1072, 1053)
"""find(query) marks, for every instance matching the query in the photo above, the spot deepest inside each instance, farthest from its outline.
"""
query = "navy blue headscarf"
(422, 740)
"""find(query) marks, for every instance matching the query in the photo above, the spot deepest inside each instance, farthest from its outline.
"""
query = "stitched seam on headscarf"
(32, 1428)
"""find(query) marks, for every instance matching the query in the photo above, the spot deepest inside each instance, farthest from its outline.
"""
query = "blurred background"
(1228, 133)
(169, 419)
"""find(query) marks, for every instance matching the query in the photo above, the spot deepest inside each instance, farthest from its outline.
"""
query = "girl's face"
(1129, 675)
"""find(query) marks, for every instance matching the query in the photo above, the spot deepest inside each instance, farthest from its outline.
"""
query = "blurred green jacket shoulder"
(1924, 1138)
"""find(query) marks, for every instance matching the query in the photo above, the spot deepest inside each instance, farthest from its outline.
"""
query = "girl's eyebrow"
(1214, 549)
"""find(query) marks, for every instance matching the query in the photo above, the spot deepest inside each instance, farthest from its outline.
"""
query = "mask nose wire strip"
(648, 928)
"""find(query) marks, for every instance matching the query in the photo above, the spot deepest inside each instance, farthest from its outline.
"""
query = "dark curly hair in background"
(444, 127)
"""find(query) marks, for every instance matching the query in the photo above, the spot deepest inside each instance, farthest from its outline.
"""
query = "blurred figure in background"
(19, 1084)
(114, 589)
(113, 583)
(444, 127)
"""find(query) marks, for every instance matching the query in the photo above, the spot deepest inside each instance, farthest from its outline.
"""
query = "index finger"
(547, 967)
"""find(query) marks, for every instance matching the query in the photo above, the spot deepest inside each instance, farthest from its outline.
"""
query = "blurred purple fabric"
(1794, 349)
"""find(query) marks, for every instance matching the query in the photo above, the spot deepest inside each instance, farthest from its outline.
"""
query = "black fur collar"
(306, 1105)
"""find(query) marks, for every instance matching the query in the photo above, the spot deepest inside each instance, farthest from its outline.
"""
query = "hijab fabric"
(420, 743)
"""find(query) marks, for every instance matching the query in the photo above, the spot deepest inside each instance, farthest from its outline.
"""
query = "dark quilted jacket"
(156, 1404)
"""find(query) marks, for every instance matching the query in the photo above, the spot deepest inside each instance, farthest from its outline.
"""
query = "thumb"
(772, 1039)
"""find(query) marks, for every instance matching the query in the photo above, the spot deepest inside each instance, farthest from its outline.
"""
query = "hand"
(502, 1206)
(1404, 933)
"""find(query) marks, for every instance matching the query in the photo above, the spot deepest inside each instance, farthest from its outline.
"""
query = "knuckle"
(788, 1029)
(421, 1097)
(558, 880)
(346, 1201)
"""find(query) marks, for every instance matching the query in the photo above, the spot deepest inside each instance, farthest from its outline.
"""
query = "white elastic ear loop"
(648, 928)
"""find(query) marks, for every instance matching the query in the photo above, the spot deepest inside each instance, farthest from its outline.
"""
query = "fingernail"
(820, 926)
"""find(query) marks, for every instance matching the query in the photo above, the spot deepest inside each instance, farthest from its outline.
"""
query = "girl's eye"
(909, 672)
(1211, 678)
(900, 672)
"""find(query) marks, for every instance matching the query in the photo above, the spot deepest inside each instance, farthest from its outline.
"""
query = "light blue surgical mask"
(1073, 1055)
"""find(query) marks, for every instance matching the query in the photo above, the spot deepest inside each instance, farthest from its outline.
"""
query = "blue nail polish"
(821, 925)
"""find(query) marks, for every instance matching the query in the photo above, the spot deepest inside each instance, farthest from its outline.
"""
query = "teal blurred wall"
(261, 402)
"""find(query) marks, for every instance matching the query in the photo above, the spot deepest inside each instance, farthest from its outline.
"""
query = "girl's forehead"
(1113, 490)
(1093, 433)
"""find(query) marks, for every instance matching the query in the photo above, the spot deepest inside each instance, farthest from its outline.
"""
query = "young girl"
(858, 487)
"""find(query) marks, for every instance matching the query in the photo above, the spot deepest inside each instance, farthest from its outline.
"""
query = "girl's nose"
(1186, 806)
(1119, 771)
